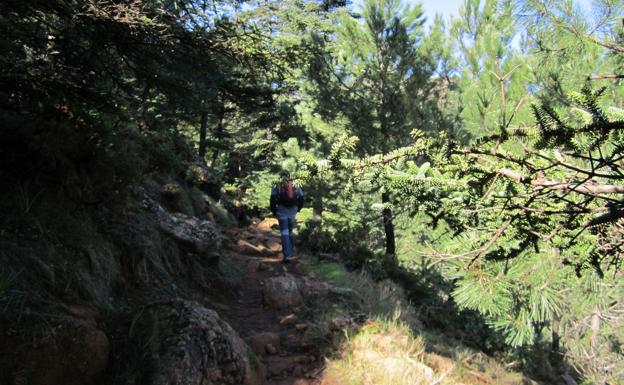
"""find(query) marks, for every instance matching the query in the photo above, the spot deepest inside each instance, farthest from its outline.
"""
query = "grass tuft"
(383, 352)
(387, 344)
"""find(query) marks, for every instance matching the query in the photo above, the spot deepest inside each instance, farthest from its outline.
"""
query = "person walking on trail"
(286, 202)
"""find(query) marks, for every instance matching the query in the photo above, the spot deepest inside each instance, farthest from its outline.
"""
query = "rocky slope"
(148, 290)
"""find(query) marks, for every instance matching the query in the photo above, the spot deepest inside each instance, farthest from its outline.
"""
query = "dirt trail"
(257, 255)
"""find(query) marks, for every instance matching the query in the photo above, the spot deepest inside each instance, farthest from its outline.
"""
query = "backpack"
(287, 195)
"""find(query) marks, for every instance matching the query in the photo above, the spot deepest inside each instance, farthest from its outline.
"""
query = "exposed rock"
(196, 235)
(245, 247)
(270, 349)
(285, 291)
(281, 292)
(274, 245)
(199, 174)
(268, 224)
(72, 352)
(288, 319)
(190, 345)
(259, 342)
(301, 327)
(340, 323)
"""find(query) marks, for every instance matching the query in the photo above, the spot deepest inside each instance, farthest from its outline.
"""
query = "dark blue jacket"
(281, 210)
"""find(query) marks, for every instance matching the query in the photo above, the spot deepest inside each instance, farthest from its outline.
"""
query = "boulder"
(67, 351)
(285, 291)
(196, 235)
(281, 292)
(188, 344)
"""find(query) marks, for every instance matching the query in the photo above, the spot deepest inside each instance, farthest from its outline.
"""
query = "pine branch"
(562, 186)
(606, 77)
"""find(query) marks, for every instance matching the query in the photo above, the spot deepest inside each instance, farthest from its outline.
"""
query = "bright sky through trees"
(450, 8)
(446, 8)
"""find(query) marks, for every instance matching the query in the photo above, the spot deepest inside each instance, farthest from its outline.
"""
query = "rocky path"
(265, 311)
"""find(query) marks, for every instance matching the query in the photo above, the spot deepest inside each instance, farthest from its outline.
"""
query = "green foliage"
(331, 272)
(522, 211)
(495, 142)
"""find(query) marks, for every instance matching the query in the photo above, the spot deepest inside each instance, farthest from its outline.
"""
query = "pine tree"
(377, 78)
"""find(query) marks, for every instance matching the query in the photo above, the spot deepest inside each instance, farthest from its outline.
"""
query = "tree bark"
(388, 226)
(317, 203)
(555, 335)
(607, 77)
(202, 133)
(218, 131)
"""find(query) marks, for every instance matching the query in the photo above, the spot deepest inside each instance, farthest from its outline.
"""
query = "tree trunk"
(144, 106)
(218, 133)
(388, 227)
(317, 204)
(555, 335)
(202, 133)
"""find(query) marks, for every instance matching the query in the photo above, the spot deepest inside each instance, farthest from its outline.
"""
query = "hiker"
(286, 201)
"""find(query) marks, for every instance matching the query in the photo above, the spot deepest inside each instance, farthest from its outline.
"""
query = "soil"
(292, 362)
